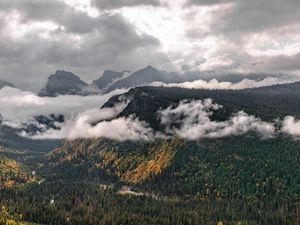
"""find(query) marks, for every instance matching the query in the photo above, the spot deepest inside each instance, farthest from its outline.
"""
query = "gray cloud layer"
(38, 37)
(79, 42)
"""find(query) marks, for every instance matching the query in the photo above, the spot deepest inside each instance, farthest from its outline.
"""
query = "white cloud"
(192, 117)
(82, 126)
(215, 84)
(20, 106)
(291, 126)
(194, 122)
(84, 118)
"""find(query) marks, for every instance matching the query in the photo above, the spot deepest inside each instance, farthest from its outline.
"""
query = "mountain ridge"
(145, 102)
(4, 83)
(63, 82)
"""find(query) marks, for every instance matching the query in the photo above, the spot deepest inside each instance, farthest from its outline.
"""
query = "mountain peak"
(149, 67)
(62, 82)
(4, 83)
(61, 74)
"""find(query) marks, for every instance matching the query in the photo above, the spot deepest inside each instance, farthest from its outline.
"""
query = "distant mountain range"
(63, 82)
(66, 83)
(107, 79)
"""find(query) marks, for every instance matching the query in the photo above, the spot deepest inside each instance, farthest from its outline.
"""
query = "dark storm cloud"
(113, 4)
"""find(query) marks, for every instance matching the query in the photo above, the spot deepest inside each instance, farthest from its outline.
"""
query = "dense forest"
(242, 180)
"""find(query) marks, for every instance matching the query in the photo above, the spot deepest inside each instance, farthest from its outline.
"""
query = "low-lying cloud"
(291, 126)
(100, 123)
(190, 119)
(18, 106)
(195, 123)
(215, 84)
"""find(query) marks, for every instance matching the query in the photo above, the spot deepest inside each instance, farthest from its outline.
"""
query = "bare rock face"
(63, 83)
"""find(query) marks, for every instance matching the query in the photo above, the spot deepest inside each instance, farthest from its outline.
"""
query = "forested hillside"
(268, 103)
(242, 179)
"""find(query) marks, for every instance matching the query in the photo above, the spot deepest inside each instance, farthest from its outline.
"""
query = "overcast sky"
(37, 37)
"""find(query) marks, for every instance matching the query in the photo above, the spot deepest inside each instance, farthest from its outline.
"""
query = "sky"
(38, 37)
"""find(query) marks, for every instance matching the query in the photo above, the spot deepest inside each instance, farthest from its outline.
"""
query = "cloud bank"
(215, 84)
(38, 37)
(99, 123)
(193, 119)
(20, 106)
(189, 120)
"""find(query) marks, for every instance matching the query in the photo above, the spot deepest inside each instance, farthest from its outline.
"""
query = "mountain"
(63, 83)
(66, 83)
(267, 103)
(5, 83)
(107, 78)
(117, 159)
(144, 76)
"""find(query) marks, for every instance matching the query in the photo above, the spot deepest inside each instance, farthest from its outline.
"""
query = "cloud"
(215, 84)
(39, 37)
(193, 119)
(282, 63)
(291, 126)
(257, 15)
(83, 118)
(21, 106)
(82, 126)
(206, 2)
(244, 32)
(108, 4)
